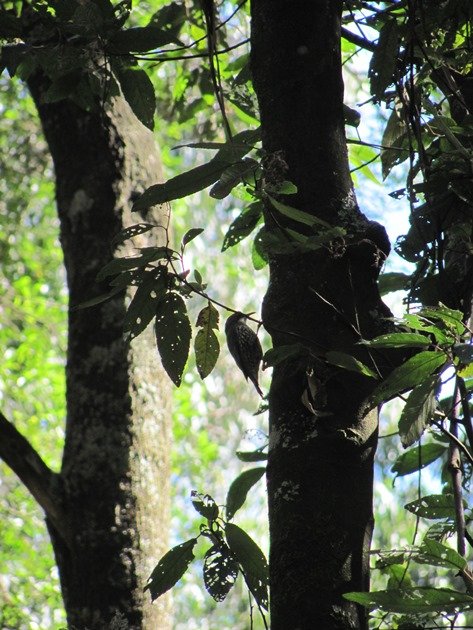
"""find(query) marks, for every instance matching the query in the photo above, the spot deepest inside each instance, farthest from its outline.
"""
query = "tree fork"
(320, 467)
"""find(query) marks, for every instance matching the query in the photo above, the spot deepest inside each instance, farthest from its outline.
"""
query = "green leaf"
(170, 568)
(142, 307)
(139, 92)
(232, 176)
(418, 411)
(259, 257)
(398, 340)
(206, 345)
(433, 506)
(239, 489)
(173, 335)
(437, 554)
(411, 373)
(392, 281)
(449, 316)
(205, 505)
(243, 225)
(130, 232)
(140, 39)
(190, 235)
(417, 458)
(348, 362)
(220, 571)
(417, 600)
(252, 561)
(383, 61)
(252, 456)
(275, 356)
(297, 215)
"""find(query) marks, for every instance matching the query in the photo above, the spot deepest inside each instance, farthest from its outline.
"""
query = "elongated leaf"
(433, 506)
(348, 362)
(139, 92)
(247, 552)
(232, 176)
(190, 235)
(252, 456)
(399, 340)
(451, 317)
(418, 411)
(297, 215)
(437, 554)
(411, 373)
(99, 299)
(243, 225)
(412, 460)
(117, 265)
(173, 335)
(206, 345)
(130, 232)
(394, 150)
(239, 489)
(140, 39)
(383, 61)
(170, 568)
(416, 600)
(204, 505)
(220, 571)
(464, 352)
(142, 307)
(275, 356)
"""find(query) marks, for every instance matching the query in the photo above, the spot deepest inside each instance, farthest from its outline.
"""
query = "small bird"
(244, 347)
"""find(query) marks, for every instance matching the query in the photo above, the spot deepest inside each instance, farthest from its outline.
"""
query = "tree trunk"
(113, 487)
(320, 468)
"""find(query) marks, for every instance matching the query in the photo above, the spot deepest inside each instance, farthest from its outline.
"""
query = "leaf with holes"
(130, 232)
(418, 411)
(173, 335)
(170, 568)
(142, 307)
(204, 505)
(433, 506)
(383, 61)
(118, 265)
(190, 235)
(408, 375)
(417, 458)
(398, 340)
(243, 225)
(206, 345)
(239, 489)
(220, 571)
(251, 560)
(437, 554)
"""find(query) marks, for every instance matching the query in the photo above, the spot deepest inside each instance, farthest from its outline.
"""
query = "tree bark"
(114, 483)
(320, 468)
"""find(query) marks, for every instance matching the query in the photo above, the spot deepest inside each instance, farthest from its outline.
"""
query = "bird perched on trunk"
(244, 347)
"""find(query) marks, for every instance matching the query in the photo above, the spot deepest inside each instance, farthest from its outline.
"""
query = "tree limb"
(39, 479)
(358, 40)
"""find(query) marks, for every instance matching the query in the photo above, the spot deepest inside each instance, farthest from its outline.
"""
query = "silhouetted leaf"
(206, 345)
(252, 561)
(204, 505)
(142, 308)
(232, 176)
(413, 459)
(140, 39)
(170, 568)
(392, 281)
(190, 235)
(220, 571)
(243, 225)
(139, 92)
(383, 60)
(239, 489)
(173, 335)
(129, 232)
(252, 456)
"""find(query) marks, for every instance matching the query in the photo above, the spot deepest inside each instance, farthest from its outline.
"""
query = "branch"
(358, 40)
(38, 478)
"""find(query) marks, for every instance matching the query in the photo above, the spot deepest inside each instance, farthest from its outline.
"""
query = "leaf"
(433, 506)
(232, 176)
(258, 257)
(408, 375)
(297, 215)
(142, 308)
(418, 411)
(139, 92)
(275, 356)
(252, 456)
(252, 561)
(190, 235)
(243, 225)
(417, 458)
(130, 232)
(437, 554)
(398, 340)
(392, 281)
(348, 362)
(239, 489)
(206, 345)
(173, 335)
(170, 568)
(415, 600)
(393, 150)
(205, 505)
(449, 316)
(383, 62)
(118, 265)
(220, 571)
(140, 39)
(464, 352)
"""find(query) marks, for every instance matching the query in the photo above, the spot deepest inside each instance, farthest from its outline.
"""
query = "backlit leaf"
(170, 568)
(239, 489)
(173, 335)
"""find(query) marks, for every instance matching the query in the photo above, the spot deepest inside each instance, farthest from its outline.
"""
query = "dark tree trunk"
(320, 469)
(113, 486)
